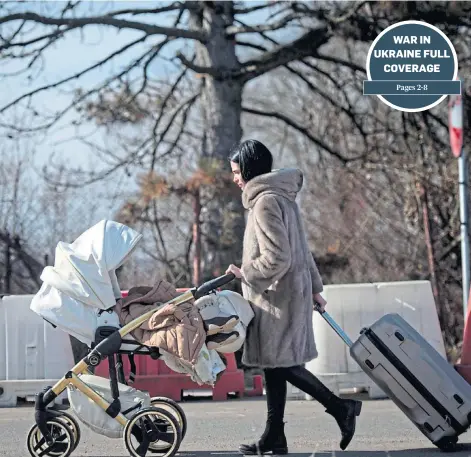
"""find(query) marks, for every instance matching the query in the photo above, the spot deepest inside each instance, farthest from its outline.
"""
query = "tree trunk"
(223, 221)
(8, 269)
(197, 238)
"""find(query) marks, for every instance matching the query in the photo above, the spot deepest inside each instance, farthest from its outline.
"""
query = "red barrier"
(155, 377)
(464, 365)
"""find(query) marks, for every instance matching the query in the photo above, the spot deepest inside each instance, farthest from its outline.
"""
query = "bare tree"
(34, 217)
(20, 267)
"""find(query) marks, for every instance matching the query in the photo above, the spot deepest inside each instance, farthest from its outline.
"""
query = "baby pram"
(147, 425)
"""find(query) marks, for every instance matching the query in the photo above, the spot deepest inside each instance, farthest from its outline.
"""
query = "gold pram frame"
(41, 434)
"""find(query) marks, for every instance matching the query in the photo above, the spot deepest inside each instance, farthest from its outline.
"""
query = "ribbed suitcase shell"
(429, 391)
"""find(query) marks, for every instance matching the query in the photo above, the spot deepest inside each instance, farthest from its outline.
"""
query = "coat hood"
(286, 182)
(85, 269)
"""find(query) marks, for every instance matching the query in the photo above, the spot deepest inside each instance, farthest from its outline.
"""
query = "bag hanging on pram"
(94, 417)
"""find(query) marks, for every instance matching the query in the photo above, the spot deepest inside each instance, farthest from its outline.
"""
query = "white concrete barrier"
(34, 355)
(293, 393)
(354, 306)
(3, 342)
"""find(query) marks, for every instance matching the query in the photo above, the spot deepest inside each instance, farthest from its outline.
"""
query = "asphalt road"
(216, 429)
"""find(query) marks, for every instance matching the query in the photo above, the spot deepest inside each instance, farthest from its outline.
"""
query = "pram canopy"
(82, 283)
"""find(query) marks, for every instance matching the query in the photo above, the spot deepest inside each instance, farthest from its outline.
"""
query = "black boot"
(272, 440)
(345, 412)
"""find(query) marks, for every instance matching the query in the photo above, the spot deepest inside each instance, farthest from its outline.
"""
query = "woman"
(281, 280)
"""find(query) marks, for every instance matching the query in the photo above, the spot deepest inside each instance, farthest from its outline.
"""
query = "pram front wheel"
(61, 439)
(152, 430)
(74, 427)
(173, 407)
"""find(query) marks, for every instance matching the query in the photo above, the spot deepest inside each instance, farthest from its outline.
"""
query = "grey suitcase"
(428, 390)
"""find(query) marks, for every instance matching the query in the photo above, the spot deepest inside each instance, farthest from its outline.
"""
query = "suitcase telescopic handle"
(328, 318)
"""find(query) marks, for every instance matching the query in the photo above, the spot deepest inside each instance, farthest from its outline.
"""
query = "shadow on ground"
(461, 451)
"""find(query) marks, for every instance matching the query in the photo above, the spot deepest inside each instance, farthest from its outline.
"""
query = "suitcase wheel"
(447, 443)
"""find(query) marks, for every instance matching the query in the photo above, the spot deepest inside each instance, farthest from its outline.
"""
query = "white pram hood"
(85, 269)
(83, 280)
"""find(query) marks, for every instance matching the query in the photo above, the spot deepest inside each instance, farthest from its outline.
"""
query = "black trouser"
(298, 376)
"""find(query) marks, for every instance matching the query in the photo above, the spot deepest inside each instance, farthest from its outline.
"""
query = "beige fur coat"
(280, 272)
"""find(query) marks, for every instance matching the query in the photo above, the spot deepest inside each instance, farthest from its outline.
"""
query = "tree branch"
(327, 74)
(71, 23)
(75, 76)
(251, 45)
(185, 104)
(345, 63)
(289, 121)
(262, 34)
(283, 22)
(136, 11)
(92, 91)
(251, 9)
(156, 226)
(198, 68)
(9, 45)
(346, 15)
(303, 47)
(348, 112)
(181, 131)
(81, 181)
(155, 54)
(163, 108)
(147, 64)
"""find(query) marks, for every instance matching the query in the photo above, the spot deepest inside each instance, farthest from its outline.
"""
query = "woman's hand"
(319, 300)
(234, 270)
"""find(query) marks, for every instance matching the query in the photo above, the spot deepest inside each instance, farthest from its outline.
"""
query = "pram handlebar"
(213, 284)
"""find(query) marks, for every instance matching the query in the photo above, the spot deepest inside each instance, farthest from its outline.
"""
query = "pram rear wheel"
(173, 407)
(61, 444)
(152, 430)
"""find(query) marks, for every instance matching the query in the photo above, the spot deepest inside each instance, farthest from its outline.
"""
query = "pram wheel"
(74, 427)
(152, 430)
(62, 444)
(173, 407)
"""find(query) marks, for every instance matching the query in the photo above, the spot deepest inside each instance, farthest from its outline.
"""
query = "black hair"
(253, 158)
